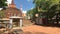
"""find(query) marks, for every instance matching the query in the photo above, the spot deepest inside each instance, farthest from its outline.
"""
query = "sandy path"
(34, 29)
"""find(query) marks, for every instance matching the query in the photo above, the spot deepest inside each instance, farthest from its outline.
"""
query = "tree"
(44, 5)
(2, 14)
(3, 3)
(47, 6)
(55, 11)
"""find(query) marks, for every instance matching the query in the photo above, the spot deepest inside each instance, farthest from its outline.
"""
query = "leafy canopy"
(3, 3)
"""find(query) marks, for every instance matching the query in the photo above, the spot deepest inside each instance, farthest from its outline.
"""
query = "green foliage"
(46, 5)
(47, 8)
(2, 3)
(1, 14)
(52, 11)
(32, 12)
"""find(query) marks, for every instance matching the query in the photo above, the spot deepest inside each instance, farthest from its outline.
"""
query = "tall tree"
(48, 6)
(44, 5)
(3, 3)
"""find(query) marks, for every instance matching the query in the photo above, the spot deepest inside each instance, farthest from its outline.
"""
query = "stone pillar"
(20, 23)
(11, 20)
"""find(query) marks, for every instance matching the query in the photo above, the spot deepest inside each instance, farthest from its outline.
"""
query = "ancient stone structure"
(13, 14)
(12, 10)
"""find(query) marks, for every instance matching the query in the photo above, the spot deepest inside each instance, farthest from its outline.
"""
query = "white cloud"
(9, 1)
(24, 11)
(32, 8)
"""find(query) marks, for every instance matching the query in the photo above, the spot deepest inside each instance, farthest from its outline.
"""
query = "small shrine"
(13, 15)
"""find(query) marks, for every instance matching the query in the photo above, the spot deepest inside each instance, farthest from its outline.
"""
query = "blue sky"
(26, 4)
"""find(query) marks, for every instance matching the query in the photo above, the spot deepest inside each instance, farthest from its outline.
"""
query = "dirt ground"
(29, 28)
(34, 29)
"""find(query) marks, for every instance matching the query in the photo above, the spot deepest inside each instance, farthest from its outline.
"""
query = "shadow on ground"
(49, 25)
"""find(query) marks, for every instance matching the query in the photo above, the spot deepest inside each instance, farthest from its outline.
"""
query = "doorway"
(16, 22)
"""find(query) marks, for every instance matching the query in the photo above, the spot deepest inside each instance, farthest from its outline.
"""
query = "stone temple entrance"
(15, 21)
